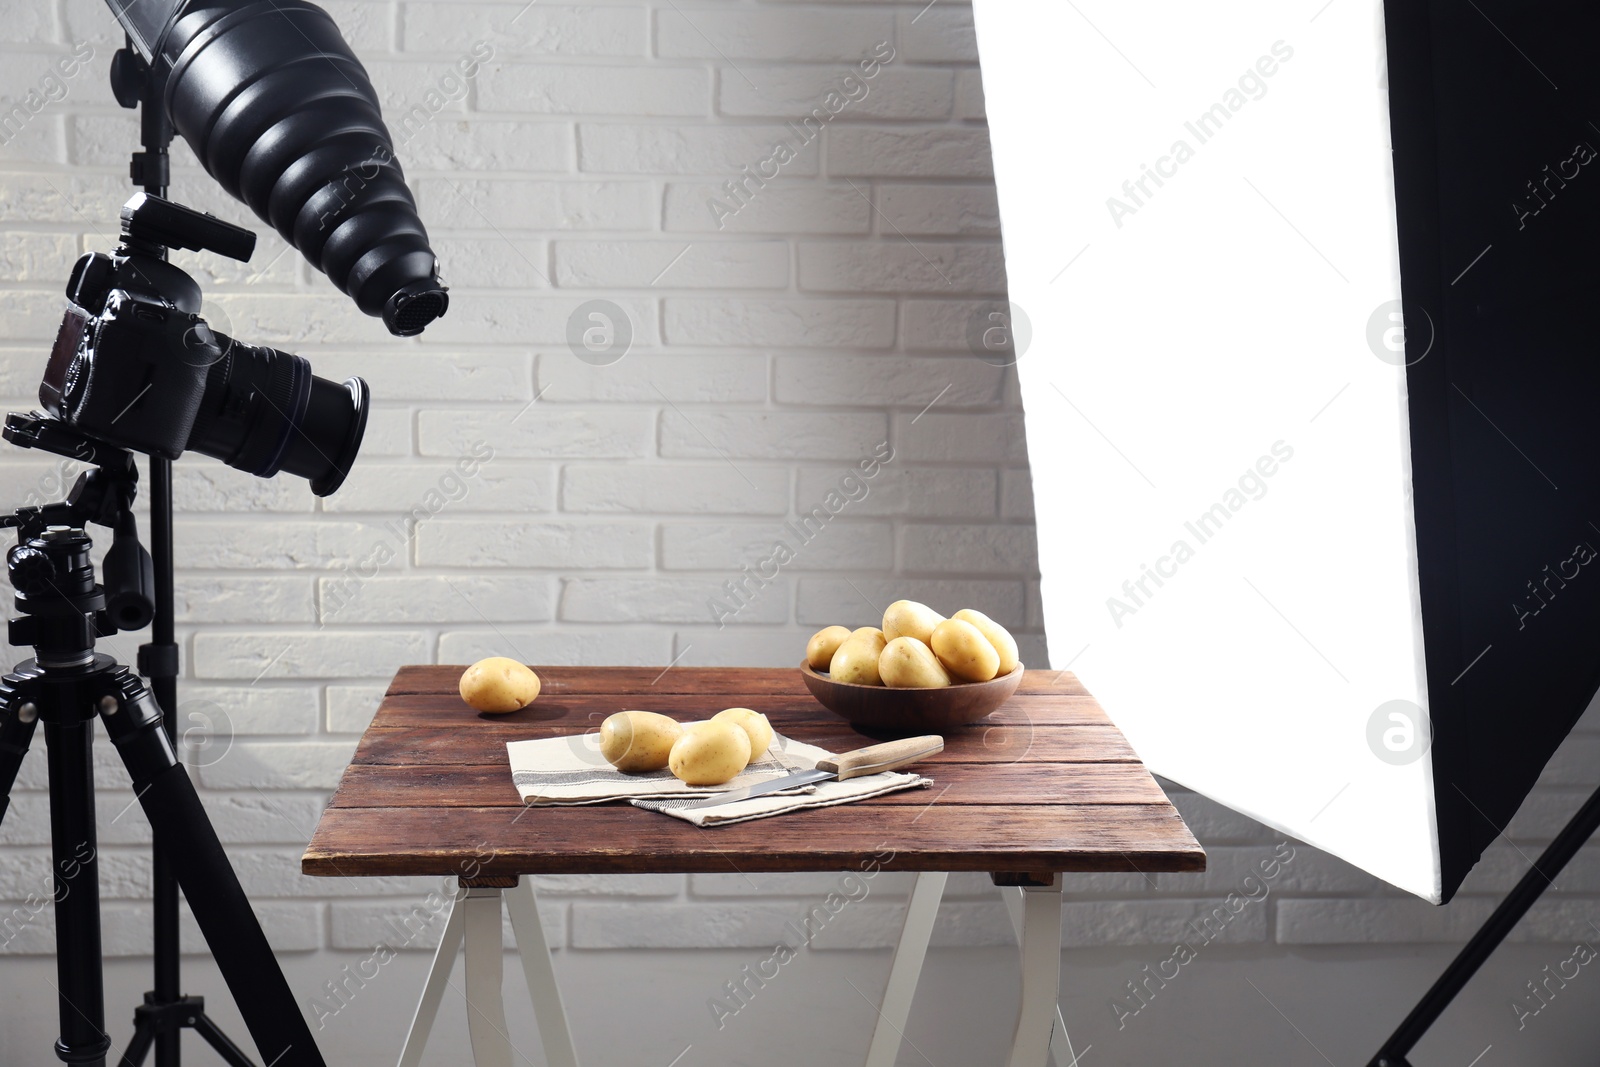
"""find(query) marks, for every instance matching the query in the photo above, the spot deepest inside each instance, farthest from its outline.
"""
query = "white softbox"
(1282, 539)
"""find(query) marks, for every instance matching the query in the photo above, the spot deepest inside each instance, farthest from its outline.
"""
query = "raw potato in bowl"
(997, 635)
(917, 648)
(964, 651)
(823, 644)
(907, 618)
(907, 663)
(856, 661)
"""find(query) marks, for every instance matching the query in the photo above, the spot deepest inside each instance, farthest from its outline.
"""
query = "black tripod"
(65, 686)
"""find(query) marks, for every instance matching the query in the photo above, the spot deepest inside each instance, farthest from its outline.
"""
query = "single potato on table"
(856, 661)
(907, 663)
(498, 685)
(751, 722)
(907, 618)
(638, 741)
(996, 635)
(710, 752)
(964, 651)
(823, 644)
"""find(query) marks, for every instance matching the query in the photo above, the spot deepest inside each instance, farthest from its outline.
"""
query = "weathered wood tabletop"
(1046, 783)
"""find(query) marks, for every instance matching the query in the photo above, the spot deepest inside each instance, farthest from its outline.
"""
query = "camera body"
(134, 363)
(130, 361)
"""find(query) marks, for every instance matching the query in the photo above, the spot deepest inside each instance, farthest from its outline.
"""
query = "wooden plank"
(489, 785)
(485, 743)
(621, 839)
(1064, 683)
(588, 710)
(442, 680)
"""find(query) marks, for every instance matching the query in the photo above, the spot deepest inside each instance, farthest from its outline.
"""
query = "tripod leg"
(231, 1054)
(16, 730)
(1583, 826)
(80, 990)
(220, 907)
(138, 1048)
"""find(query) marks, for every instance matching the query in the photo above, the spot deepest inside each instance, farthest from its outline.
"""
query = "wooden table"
(1043, 786)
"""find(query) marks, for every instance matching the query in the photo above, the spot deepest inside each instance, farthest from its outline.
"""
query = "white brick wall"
(769, 354)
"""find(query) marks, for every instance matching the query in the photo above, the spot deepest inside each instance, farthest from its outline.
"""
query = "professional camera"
(135, 365)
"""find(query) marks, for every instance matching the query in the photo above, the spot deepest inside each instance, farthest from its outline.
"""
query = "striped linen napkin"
(570, 770)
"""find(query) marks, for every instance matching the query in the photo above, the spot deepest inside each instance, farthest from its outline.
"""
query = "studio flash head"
(282, 114)
(135, 365)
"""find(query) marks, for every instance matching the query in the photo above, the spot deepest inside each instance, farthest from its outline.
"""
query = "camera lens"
(263, 411)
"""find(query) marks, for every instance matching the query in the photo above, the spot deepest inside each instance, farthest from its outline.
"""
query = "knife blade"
(891, 755)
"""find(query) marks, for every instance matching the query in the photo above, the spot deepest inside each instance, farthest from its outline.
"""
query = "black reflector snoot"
(283, 115)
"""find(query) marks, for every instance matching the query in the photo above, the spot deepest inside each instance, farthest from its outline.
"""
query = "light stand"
(285, 68)
(166, 1010)
(1476, 952)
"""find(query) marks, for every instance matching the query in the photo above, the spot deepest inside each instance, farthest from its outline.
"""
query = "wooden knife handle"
(889, 756)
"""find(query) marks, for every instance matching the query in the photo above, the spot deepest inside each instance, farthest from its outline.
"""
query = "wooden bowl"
(879, 709)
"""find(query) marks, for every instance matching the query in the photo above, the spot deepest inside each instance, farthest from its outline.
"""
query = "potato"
(823, 644)
(638, 741)
(498, 684)
(907, 618)
(859, 630)
(997, 635)
(964, 651)
(856, 661)
(907, 663)
(710, 752)
(751, 722)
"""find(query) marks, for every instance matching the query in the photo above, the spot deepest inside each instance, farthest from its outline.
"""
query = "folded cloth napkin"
(570, 770)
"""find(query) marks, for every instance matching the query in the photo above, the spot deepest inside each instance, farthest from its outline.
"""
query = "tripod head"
(63, 610)
(104, 496)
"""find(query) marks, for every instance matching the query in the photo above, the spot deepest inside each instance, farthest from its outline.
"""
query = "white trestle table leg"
(444, 961)
(534, 950)
(486, 1007)
(909, 954)
(1060, 1043)
(1041, 974)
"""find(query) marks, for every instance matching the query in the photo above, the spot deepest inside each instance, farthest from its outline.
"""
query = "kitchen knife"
(888, 756)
